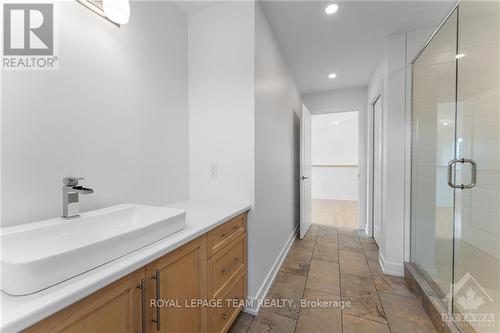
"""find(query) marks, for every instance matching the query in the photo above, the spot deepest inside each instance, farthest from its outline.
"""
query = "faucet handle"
(71, 181)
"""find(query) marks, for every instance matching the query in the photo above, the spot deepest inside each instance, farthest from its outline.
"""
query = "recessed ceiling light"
(332, 76)
(461, 55)
(445, 123)
(330, 9)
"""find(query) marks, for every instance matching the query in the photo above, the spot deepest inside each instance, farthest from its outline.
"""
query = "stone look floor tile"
(352, 324)
(405, 314)
(295, 266)
(311, 270)
(306, 243)
(371, 251)
(326, 252)
(242, 323)
(348, 232)
(363, 237)
(366, 306)
(324, 277)
(348, 243)
(361, 292)
(314, 319)
(301, 252)
(297, 260)
(353, 263)
(357, 285)
(287, 286)
(389, 284)
(271, 322)
(327, 237)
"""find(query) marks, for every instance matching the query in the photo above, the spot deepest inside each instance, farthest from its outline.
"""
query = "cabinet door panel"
(182, 278)
(115, 308)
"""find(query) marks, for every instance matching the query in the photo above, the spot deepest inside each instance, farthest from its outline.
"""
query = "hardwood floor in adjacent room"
(339, 213)
(336, 262)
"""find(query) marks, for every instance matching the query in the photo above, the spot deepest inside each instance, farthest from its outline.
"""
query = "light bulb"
(330, 9)
(117, 11)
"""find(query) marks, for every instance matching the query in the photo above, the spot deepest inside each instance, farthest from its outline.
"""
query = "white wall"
(334, 138)
(347, 100)
(243, 113)
(277, 106)
(334, 156)
(221, 101)
(339, 100)
(392, 80)
(115, 113)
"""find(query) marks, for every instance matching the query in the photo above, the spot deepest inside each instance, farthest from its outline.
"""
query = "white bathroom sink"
(38, 255)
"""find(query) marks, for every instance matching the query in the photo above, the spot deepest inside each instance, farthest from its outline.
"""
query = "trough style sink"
(38, 255)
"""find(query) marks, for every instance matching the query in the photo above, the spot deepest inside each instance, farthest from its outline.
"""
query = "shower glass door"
(455, 208)
(433, 145)
(477, 210)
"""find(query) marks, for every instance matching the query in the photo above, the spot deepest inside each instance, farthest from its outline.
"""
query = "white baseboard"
(390, 268)
(264, 288)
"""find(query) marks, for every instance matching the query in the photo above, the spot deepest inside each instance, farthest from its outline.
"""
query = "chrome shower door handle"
(450, 173)
(473, 177)
(474, 173)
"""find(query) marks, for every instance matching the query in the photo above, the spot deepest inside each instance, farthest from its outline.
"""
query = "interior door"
(377, 169)
(305, 171)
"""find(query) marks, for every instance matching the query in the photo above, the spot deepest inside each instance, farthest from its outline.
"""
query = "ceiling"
(350, 42)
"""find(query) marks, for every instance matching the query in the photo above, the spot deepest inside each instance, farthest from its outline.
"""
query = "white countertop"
(20, 312)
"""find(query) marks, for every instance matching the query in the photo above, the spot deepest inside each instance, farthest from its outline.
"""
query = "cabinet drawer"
(226, 264)
(221, 318)
(224, 234)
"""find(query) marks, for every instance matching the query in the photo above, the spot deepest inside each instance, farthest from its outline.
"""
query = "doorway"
(334, 169)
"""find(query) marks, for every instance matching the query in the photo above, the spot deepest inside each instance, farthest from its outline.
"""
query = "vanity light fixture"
(331, 9)
(461, 55)
(332, 76)
(115, 11)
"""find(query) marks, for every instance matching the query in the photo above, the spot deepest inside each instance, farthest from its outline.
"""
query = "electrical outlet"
(213, 171)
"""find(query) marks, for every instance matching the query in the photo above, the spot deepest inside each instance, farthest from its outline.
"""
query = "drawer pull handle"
(232, 232)
(226, 314)
(142, 286)
(156, 277)
(235, 261)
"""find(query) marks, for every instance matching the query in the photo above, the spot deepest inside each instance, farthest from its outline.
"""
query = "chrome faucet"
(71, 199)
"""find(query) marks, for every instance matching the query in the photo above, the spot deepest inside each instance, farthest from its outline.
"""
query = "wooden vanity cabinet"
(212, 266)
(176, 279)
(113, 309)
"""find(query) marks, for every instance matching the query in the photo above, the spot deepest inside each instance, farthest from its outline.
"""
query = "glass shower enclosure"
(455, 185)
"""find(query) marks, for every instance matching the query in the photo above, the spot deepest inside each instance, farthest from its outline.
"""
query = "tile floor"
(337, 263)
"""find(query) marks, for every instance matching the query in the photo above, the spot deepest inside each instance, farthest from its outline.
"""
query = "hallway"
(332, 264)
